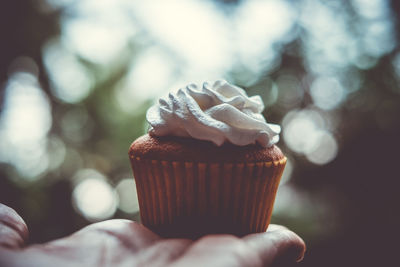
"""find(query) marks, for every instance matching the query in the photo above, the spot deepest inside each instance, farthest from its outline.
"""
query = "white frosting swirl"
(219, 113)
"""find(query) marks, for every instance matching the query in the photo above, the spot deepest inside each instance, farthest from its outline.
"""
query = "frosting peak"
(217, 112)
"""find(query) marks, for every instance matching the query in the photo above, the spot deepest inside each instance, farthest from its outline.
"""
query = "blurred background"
(78, 76)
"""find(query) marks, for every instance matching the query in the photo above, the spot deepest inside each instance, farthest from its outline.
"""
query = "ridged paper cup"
(190, 199)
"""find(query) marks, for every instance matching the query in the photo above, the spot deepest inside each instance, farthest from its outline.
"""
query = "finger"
(13, 230)
(132, 235)
(278, 243)
(151, 249)
(276, 227)
(219, 250)
(163, 252)
(109, 243)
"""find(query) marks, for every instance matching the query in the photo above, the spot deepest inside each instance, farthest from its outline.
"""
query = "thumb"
(277, 244)
(13, 230)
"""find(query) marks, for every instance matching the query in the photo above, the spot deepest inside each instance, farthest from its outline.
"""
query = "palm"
(127, 243)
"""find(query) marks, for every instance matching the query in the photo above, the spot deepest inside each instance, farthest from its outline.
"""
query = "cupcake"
(209, 163)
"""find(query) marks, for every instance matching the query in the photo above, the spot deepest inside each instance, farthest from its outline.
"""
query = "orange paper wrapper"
(191, 199)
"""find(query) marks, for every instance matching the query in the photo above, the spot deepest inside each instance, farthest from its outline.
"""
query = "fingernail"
(300, 257)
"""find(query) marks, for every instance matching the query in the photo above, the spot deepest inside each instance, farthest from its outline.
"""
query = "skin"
(127, 243)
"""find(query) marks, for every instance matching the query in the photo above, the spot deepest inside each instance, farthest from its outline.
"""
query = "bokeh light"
(57, 152)
(258, 36)
(290, 202)
(76, 125)
(93, 196)
(70, 81)
(327, 92)
(26, 115)
(300, 129)
(128, 200)
(141, 83)
(94, 40)
(24, 125)
(196, 34)
(305, 132)
(290, 92)
(372, 9)
(326, 150)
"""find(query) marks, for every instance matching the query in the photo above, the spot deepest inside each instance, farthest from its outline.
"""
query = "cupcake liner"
(190, 199)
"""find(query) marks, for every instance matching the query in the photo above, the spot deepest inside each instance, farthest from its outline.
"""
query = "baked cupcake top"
(218, 112)
(173, 148)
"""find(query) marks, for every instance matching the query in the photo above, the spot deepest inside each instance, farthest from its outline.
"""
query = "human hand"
(127, 243)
